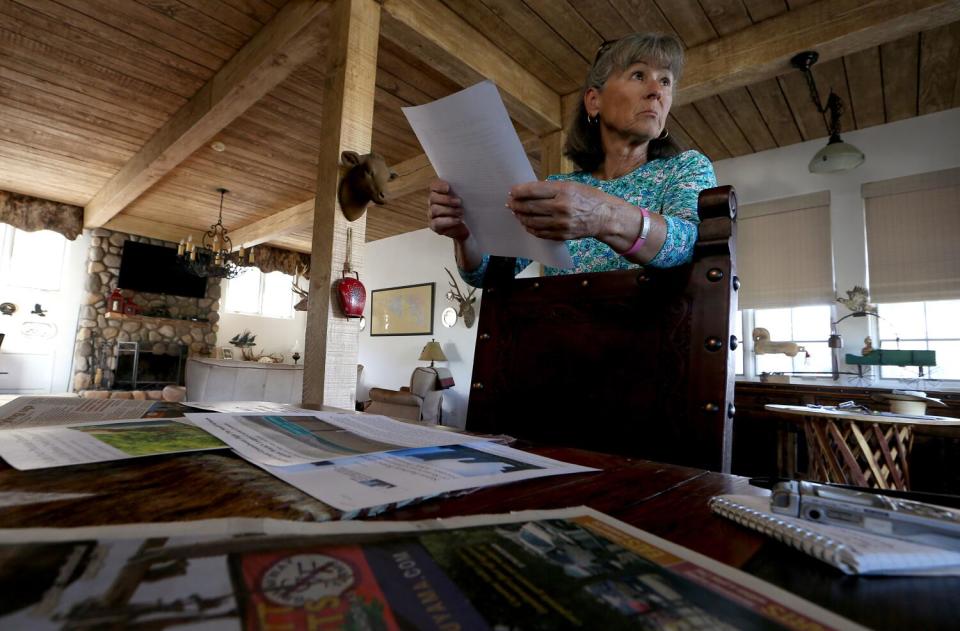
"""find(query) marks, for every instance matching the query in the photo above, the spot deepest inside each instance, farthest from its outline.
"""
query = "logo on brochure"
(302, 578)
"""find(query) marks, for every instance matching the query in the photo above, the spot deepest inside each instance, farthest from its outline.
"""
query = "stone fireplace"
(190, 329)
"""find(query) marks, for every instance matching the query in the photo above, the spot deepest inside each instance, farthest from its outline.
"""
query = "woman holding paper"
(634, 199)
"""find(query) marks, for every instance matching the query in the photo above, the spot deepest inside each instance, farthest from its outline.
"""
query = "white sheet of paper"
(472, 144)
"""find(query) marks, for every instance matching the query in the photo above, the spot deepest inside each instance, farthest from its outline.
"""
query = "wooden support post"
(330, 373)
(552, 160)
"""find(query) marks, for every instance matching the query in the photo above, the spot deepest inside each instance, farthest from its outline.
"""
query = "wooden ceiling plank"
(681, 136)
(866, 87)
(226, 14)
(831, 27)
(939, 53)
(809, 121)
(183, 13)
(259, 10)
(562, 18)
(603, 17)
(401, 89)
(82, 170)
(689, 20)
(761, 10)
(505, 36)
(154, 28)
(288, 40)
(717, 117)
(122, 40)
(700, 131)
(67, 123)
(18, 75)
(644, 16)
(899, 60)
(31, 130)
(392, 60)
(435, 33)
(769, 100)
(39, 59)
(37, 26)
(726, 16)
(532, 28)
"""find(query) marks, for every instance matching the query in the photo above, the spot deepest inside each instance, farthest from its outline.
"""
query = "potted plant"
(244, 341)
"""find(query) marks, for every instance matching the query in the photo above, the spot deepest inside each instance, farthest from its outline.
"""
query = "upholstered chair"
(421, 401)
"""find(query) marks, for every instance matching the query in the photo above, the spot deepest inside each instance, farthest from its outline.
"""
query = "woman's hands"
(563, 210)
(445, 212)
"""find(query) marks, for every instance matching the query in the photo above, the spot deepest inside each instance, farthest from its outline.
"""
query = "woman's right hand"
(445, 212)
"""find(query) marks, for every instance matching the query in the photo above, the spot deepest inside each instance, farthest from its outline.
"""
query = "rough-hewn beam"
(437, 35)
(330, 366)
(831, 27)
(292, 37)
(152, 228)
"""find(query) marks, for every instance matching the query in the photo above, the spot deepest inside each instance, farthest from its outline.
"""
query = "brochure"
(24, 412)
(45, 447)
(531, 570)
(292, 439)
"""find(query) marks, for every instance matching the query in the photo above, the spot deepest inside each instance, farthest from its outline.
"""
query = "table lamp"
(432, 352)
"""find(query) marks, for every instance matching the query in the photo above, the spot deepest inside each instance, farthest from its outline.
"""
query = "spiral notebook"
(849, 550)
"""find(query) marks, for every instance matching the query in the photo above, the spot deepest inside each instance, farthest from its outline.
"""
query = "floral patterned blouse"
(669, 186)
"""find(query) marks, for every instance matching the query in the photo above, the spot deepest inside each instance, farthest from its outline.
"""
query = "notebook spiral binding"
(816, 545)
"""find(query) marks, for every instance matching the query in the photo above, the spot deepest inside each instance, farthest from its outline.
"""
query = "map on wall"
(402, 310)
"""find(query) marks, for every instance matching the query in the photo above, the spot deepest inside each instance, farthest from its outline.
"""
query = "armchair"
(420, 401)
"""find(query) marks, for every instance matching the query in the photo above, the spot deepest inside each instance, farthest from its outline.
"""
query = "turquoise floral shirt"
(670, 187)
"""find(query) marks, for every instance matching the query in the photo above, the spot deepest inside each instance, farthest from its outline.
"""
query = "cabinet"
(234, 380)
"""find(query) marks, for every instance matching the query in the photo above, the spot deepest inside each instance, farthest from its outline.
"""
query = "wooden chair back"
(633, 362)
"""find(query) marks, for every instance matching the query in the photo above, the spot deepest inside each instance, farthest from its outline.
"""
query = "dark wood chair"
(634, 362)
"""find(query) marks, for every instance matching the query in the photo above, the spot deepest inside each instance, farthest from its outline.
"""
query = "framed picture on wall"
(406, 310)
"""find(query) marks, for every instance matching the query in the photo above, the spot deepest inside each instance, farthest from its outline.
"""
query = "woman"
(634, 199)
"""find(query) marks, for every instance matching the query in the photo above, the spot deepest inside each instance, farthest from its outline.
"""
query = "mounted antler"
(304, 294)
(464, 304)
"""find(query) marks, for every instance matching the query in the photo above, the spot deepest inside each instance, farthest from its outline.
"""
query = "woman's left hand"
(562, 210)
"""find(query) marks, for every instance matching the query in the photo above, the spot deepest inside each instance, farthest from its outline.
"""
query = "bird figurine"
(38, 310)
(858, 300)
(867, 346)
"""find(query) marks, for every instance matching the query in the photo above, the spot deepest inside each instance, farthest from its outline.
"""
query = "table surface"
(666, 500)
(829, 412)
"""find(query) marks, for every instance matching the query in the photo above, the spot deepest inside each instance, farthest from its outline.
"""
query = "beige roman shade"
(913, 237)
(784, 254)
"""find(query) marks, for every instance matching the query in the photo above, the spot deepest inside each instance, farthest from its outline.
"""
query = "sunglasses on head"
(604, 47)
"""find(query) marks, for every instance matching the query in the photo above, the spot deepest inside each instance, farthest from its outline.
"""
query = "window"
(255, 293)
(927, 325)
(33, 260)
(807, 326)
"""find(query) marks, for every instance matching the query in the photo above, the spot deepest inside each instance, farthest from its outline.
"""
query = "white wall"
(410, 259)
(274, 335)
(908, 147)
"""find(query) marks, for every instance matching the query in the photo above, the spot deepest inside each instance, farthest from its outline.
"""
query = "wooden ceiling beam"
(431, 31)
(833, 28)
(292, 37)
(152, 228)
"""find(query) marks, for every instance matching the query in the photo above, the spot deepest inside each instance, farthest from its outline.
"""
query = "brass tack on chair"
(711, 407)
(484, 336)
(731, 410)
(584, 283)
(536, 285)
(713, 343)
(476, 385)
(736, 283)
(734, 342)
(642, 277)
(714, 274)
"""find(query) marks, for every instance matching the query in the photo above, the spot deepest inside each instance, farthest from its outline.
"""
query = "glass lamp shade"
(836, 156)
(432, 352)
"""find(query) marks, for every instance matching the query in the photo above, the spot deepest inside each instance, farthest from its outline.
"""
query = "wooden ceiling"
(116, 105)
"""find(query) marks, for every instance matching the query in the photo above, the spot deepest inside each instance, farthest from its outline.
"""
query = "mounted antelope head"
(303, 293)
(464, 303)
(365, 181)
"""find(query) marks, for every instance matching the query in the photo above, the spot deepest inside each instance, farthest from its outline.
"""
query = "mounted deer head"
(303, 293)
(365, 181)
(465, 307)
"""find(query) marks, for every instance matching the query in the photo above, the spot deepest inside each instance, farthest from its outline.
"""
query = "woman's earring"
(593, 120)
(664, 134)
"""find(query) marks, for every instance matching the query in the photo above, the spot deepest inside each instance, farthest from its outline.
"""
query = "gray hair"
(583, 145)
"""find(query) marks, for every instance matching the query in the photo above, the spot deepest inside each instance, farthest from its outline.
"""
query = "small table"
(857, 448)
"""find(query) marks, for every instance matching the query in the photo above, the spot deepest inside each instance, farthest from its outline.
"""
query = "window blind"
(784, 253)
(913, 237)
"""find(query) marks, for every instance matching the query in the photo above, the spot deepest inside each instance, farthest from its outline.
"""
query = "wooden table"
(854, 447)
(667, 500)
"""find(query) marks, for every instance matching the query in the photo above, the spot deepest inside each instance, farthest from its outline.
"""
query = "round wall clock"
(449, 317)
(8, 308)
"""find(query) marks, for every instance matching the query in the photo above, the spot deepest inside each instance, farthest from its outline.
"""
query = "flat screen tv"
(155, 269)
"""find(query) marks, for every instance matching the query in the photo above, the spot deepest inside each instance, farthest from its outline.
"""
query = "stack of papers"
(357, 463)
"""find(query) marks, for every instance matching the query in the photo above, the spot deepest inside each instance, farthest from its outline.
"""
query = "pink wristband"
(642, 238)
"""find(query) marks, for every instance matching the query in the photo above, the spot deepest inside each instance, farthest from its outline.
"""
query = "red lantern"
(115, 302)
(352, 295)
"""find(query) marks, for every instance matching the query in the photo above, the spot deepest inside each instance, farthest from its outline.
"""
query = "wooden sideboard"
(235, 380)
(765, 443)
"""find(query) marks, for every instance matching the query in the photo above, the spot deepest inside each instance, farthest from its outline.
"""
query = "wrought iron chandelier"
(214, 256)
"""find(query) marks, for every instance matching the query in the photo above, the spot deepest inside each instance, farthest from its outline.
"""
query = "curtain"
(32, 214)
